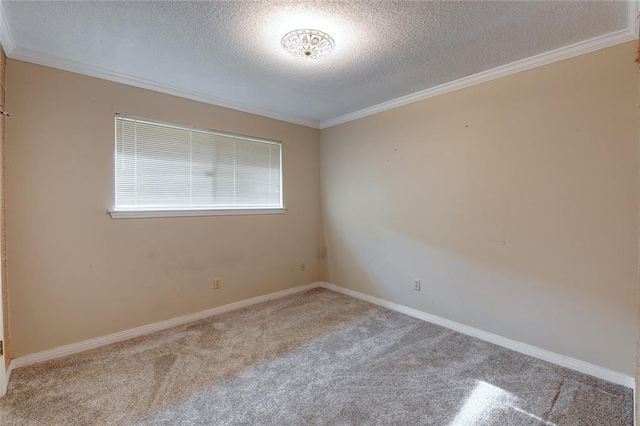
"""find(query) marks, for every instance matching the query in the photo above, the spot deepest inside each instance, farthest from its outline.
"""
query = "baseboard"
(4, 386)
(4, 383)
(147, 329)
(635, 407)
(561, 360)
(543, 354)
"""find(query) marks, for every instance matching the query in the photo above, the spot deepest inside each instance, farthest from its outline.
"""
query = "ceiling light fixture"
(311, 44)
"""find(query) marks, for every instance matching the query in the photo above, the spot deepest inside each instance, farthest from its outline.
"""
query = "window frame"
(191, 212)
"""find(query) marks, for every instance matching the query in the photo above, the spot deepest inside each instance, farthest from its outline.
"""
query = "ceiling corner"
(566, 52)
(56, 62)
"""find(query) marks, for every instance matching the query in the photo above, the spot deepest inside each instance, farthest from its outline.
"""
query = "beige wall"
(75, 273)
(514, 201)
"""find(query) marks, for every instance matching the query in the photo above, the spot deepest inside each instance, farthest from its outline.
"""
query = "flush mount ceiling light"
(311, 44)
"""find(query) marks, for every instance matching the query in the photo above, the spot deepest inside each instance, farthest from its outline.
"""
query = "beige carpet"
(314, 358)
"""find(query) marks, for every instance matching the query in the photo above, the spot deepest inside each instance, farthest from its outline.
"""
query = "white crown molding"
(148, 329)
(601, 42)
(6, 37)
(79, 68)
(543, 354)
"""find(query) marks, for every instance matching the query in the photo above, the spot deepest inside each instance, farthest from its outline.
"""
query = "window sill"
(139, 214)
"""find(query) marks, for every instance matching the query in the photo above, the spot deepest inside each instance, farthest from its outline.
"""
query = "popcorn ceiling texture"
(231, 50)
(317, 358)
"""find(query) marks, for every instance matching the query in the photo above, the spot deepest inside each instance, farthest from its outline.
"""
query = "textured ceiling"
(231, 50)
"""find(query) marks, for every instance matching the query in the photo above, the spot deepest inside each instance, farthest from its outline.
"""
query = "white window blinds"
(161, 166)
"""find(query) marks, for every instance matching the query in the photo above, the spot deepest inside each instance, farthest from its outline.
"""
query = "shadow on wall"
(313, 358)
(390, 260)
(511, 288)
(130, 380)
(513, 201)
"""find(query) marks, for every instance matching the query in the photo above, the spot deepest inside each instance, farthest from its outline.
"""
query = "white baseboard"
(4, 382)
(97, 342)
(561, 360)
(635, 407)
(5, 385)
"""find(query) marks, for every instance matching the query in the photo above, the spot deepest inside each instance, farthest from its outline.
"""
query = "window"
(164, 169)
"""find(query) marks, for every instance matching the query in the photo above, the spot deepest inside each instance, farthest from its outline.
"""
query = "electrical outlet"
(303, 267)
(416, 285)
(216, 283)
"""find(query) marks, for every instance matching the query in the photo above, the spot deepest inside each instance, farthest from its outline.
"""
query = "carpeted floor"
(317, 358)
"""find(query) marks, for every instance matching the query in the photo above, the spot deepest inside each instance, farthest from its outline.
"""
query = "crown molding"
(580, 48)
(79, 68)
(27, 55)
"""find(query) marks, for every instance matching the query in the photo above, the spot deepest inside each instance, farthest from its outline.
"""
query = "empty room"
(368, 212)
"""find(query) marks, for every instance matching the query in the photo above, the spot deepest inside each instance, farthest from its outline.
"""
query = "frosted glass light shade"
(309, 44)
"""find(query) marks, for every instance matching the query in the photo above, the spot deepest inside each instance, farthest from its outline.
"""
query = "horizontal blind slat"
(165, 166)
